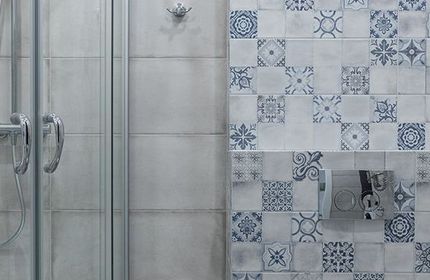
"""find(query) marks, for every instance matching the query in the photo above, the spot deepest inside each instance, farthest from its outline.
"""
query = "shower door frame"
(36, 78)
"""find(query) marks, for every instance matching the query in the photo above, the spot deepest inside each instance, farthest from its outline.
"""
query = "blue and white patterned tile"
(299, 5)
(400, 229)
(246, 166)
(368, 276)
(338, 257)
(306, 165)
(356, 4)
(411, 136)
(306, 227)
(383, 52)
(300, 80)
(383, 109)
(277, 257)
(247, 227)
(328, 24)
(422, 257)
(247, 276)
(243, 24)
(243, 136)
(354, 136)
(242, 80)
(383, 24)
(277, 196)
(412, 52)
(327, 109)
(271, 52)
(412, 5)
(404, 196)
(271, 109)
(423, 167)
(355, 80)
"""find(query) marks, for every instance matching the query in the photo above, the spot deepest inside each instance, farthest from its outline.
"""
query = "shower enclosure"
(62, 183)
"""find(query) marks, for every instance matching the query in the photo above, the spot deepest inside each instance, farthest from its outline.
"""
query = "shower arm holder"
(179, 11)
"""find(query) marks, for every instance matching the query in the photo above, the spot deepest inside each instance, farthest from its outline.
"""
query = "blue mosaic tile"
(243, 24)
(243, 80)
(247, 226)
(383, 52)
(326, 109)
(300, 80)
(404, 196)
(400, 229)
(422, 257)
(412, 5)
(277, 196)
(271, 109)
(271, 52)
(368, 276)
(338, 257)
(423, 167)
(306, 165)
(355, 80)
(247, 276)
(299, 5)
(383, 109)
(383, 24)
(354, 136)
(246, 166)
(277, 257)
(412, 52)
(356, 4)
(328, 24)
(243, 136)
(411, 136)
(306, 227)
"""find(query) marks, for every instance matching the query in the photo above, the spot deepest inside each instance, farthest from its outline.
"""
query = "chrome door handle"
(59, 140)
(25, 125)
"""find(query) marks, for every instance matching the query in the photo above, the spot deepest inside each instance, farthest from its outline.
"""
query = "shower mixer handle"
(58, 124)
(24, 123)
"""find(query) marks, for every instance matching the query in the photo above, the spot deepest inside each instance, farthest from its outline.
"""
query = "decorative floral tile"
(423, 167)
(401, 229)
(383, 52)
(422, 257)
(242, 80)
(327, 108)
(383, 24)
(412, 52)
(354, 136)
(306, 165)
(368, 276)
(271, 109)
(338, 257)
(356, 4)
(243, 136)
(328, 24)
(247, 166)
(300, 80)
(247, 226)
(412, 5)
(383, 109)
(411, 136)
(299, 5)
(243, 24)
(271, 52)
(355, 80)
(277, 196)
(277, 257)
(306, 227)
(247, 276)
(404, 196)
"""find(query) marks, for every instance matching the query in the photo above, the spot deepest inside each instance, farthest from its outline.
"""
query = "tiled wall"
(329, 75)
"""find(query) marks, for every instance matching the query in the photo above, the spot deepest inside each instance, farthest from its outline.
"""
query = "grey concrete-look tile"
(399, 257)
(369, 257)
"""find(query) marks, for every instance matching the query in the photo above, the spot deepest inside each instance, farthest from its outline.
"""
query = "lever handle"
(24, 122)
(59, 140)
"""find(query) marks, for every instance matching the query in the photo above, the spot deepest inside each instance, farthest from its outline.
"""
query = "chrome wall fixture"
(180, 10)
